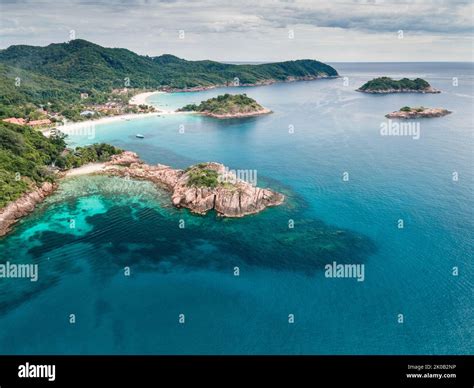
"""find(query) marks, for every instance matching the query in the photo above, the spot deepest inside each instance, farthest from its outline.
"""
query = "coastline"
(138, 99)
(84, 125)
(242, 200)
(104, 120)
(430, 90)
(15, 210)
(26, 204)
(90, 168)
(261, 112)
(259, 83)
(141, 98)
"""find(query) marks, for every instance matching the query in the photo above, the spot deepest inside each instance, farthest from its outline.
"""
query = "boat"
(140, 136)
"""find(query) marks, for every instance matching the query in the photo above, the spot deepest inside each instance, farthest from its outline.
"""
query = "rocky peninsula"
(227, 106)
(199, 188)
(413, 113)
(386, 85)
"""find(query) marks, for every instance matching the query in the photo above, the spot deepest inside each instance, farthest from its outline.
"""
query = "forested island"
(412, 113)
(227, 106)
(79, 80)
(385, 85)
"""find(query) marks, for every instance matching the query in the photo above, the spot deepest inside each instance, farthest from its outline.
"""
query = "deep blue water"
(190, 271)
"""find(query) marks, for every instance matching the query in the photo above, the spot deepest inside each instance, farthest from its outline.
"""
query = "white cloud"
(251, 30)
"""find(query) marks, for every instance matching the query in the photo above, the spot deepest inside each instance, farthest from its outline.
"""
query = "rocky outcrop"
(235, 199)
(24, 205)
(417, 113)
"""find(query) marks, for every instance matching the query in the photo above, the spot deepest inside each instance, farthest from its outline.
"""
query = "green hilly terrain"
(58, 73)
(38, 82)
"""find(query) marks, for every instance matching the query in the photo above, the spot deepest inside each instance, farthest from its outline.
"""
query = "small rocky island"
(385, 85)
(199, 188)
(413, 113)
(228, 106)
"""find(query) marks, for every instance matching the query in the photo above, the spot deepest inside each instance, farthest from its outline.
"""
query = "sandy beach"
(84, 125)
(87, 127)
(86, 169)
(141, 98)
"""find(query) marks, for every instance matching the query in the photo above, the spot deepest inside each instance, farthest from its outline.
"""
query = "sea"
(121, 271)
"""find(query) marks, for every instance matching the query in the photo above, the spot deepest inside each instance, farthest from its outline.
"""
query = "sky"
(252, 30)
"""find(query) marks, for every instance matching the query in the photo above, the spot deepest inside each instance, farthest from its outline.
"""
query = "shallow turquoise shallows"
(417, 293)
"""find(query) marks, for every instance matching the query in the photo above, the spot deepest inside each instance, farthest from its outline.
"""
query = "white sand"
(87, 127)
(104, 120)
(86, 169)
(141, 98)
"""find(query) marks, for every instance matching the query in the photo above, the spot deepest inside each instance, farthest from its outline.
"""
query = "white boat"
(140, 136)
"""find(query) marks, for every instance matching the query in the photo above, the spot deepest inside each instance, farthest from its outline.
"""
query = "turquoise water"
(190, 270)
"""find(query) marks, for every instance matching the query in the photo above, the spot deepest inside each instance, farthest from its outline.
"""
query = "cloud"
(430, 17)
(256, 29)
